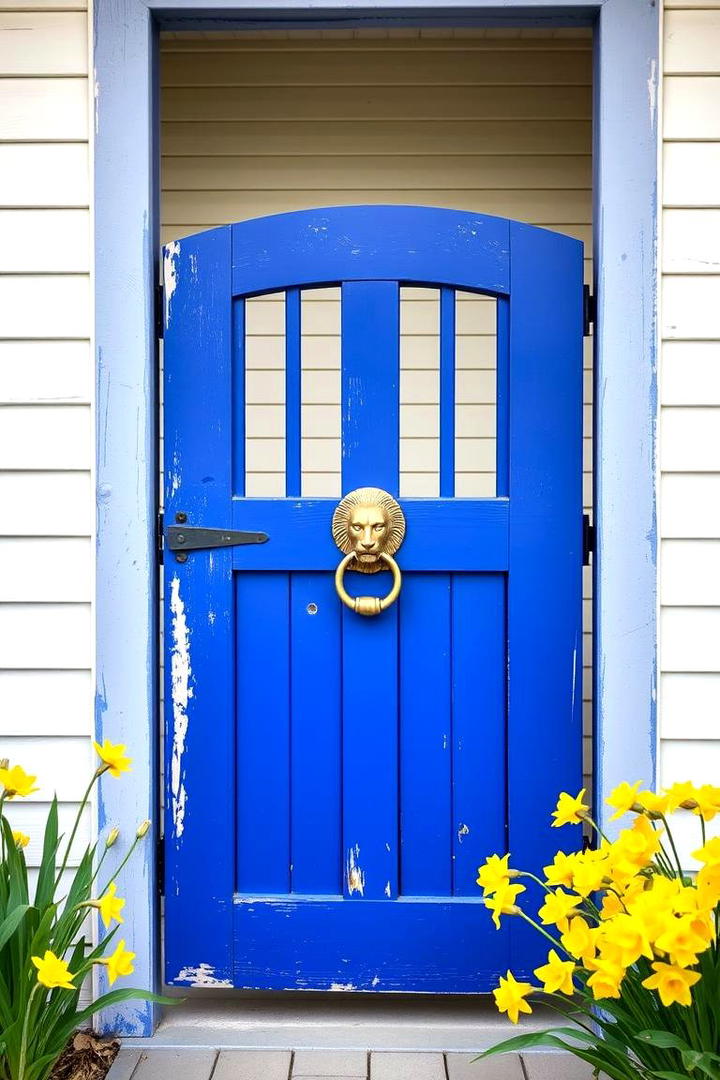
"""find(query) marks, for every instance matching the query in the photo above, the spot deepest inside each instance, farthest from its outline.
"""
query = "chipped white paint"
(354, 874)
(202, 975)
(180, 672)
(342, 986)
(174, 479)
(388, 890)
(375, 981)
(462, 832)
(96, 99)
(170, 254)
(652, 91)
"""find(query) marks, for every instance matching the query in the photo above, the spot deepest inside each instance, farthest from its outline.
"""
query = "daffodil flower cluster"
(633, 934)
(44, 955)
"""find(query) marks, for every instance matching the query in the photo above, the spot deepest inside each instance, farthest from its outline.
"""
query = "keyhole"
(312, 609)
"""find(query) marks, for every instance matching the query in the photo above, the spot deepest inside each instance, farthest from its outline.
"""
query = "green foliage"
(36, 1020)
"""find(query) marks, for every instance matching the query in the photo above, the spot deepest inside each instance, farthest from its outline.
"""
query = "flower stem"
(24, 1037)
(76, 825)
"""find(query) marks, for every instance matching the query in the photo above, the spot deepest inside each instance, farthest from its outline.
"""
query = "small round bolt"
(181, 518)
(312, 609)
(180, 538)
(181, 556)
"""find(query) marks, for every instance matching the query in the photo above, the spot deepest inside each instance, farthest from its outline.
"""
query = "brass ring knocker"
(368, 605)
(368, 526)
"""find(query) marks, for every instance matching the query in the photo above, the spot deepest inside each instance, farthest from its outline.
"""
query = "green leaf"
(114, 997)
(526, 1042)
(11, 923)
(45, 892)
(663, 1039)
(695, 1059)
(670, 1075)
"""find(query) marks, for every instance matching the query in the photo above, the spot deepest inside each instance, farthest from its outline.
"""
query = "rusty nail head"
(181, 518)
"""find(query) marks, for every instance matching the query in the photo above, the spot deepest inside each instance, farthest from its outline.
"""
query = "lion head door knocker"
(368, 526)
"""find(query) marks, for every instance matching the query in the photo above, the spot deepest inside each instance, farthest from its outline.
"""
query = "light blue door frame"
(126, 230)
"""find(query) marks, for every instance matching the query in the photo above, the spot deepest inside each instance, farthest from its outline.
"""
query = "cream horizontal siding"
(488, 121)
(46, 444)
(690, 397)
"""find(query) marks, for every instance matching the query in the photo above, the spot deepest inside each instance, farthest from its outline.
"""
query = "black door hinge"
(159, 539)
(160, 863)
(588, 539)
(159, 311)
(589, 310)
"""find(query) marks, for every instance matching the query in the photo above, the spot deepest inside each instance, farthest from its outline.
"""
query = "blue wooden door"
(332, 781)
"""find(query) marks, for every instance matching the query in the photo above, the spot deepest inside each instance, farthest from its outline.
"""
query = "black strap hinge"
(589, 310)
(184, 538)
(588, 539)
(159, 312)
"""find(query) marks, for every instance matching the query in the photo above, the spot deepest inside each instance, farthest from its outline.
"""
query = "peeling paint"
(353, 873)
(342, 986)
(652, 91)
(180, 672)
(202, 975)
(96, 100)
(388, 890)
(170, 254)
(462, 832)
(174, 475)
(375, 981)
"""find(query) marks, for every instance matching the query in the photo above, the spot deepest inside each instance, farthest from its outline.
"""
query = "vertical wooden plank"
(425, 737)
(545, 577)
(238, 397)
(447, 393)
(479, 713)
(293, 393)
(502, 398)
(316, 811)
(370, 456)
(263, 733)
(200, 664)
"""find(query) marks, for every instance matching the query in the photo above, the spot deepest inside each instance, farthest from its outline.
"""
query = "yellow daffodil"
(591, 871)
(503, 902)
(17, 782)
(561, 869)
(570, 810)
(557, 975)
(623, 798)
(633, 850)
(708, 802)
(623, 941)
(510, 997)
(493, 874)
(653, 804)
(558, 908)
(681, 941)
(120, 963)
(708, 885)
(109, 905)
(650, 906)
(605, 979)
(709, 853)
(53, 972)
(681, 796)
(113, 757)
(20, 839)
(579, 939)
(672, 983)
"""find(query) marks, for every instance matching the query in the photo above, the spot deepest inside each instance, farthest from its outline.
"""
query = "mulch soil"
(86, 1057)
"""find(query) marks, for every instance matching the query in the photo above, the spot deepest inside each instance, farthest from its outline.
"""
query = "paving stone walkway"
(207, 1064)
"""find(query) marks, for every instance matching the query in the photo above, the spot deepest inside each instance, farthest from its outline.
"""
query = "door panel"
(334, 781)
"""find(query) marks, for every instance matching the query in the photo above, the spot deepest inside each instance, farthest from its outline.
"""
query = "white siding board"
(688, 759)
(45, 372)
(690, 639)
(691, 107)
(690, 440)
(690, 373)
(690, 706)
(692, 41)
(691, 241)
(63, 766)
(690, 505)
(45, 703)
(56, 241)
(45, 635)
(40, 437)
(691, 307)
(37, 43)
(46, 503)
(690, 572)
(30, 818)
(39, 109)
(42, 569)
(690, 174)
(50, 306)
(44, 175)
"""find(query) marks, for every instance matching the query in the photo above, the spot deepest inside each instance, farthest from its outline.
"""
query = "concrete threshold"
(336, 1022)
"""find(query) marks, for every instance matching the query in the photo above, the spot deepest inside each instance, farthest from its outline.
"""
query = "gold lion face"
(366, 522)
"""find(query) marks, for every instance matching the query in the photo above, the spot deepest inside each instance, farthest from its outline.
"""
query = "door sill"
(336, 1022)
